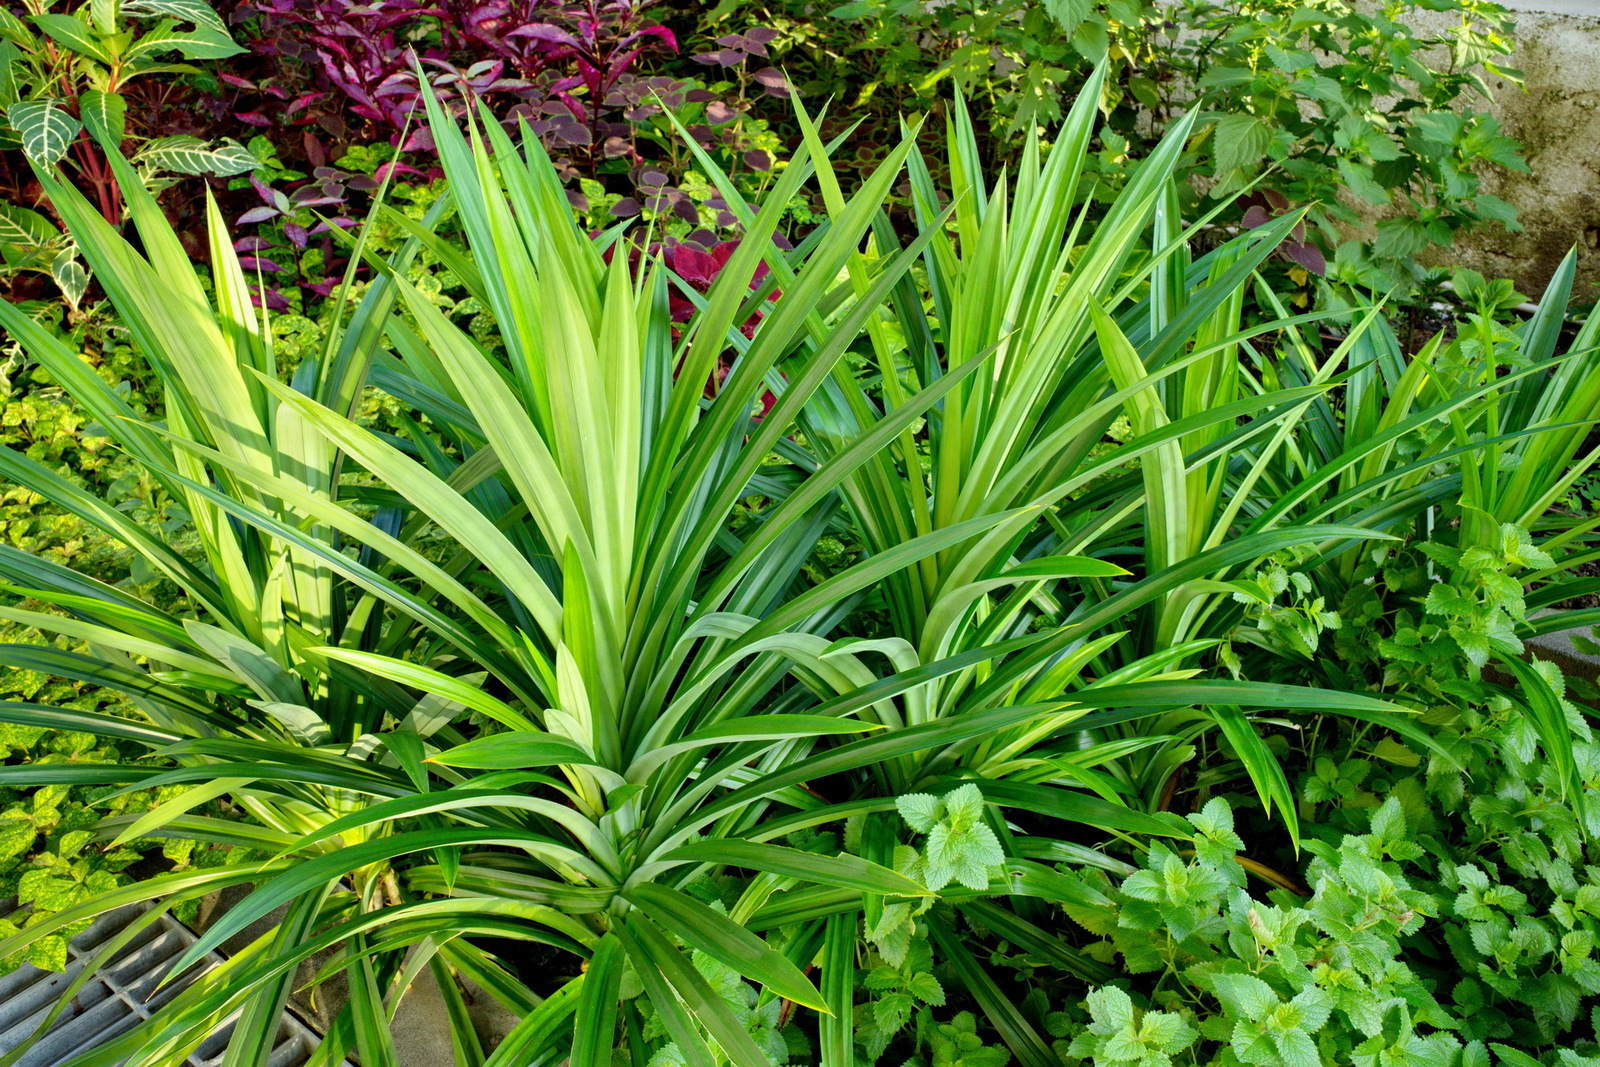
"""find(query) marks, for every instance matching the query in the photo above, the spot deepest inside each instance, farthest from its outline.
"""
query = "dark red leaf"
(257, 214)
(258, 263)
(1308, 256)
(772, 78)
(1255, 216)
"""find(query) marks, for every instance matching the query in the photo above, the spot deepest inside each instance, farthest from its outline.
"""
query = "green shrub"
(1334, 106)
(753, 682)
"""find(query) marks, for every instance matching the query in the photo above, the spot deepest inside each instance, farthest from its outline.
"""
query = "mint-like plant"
(959, 846)
(1121, 1035)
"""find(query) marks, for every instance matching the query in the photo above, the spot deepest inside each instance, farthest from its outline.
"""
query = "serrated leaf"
(963, 806)
(921, 811)
(1241, 142)
(1244, 995)
(1068, 13)
(73, 35)
(46, 130)
(926, 988)
(1110, 1008)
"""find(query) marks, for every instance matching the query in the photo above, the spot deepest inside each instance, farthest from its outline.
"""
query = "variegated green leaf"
(104, 115)
(9, 54)
(14, 30)
(46, 130)
(198, 12)
(24, 234)
(70, 275)
(104, 13)
(190, 155)
(205, 41)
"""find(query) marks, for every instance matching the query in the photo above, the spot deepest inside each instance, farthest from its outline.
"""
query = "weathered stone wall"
(1557, 118)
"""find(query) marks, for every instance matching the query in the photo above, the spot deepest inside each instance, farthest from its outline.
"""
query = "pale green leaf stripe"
(677, 1020)
(460, 799)
(22, 713)
(324, 510)
(179, 884)
(434, 497)
(594, 1028)
(109, 638)
(708, 1007)
(514, 751)
(748, 728)
(307, 874)
(844, 870)
(429, 681)
(838, 985)
(1266, 773)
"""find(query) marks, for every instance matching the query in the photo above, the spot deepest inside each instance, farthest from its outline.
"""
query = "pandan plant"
(563, 656)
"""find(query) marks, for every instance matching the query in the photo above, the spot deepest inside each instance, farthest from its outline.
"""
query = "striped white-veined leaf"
(205, 41)
(190, 155)
(104, 115)
(24, 235)
(198, 12)
(70, 275)
(46, 130)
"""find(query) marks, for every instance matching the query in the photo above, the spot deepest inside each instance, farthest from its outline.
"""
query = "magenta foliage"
(538, 51)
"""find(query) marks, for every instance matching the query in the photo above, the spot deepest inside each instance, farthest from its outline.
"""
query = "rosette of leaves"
(62, 80)
(958, 848)
(532, 668)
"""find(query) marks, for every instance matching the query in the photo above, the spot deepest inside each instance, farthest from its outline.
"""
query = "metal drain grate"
(118, 998)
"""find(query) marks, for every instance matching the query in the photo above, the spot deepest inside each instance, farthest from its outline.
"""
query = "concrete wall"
(1557, 118)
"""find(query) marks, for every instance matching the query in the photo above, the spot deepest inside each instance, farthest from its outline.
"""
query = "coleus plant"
(527, 51)
(338, 74)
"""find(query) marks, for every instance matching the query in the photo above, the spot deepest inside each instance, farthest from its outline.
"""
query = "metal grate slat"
(121, 995)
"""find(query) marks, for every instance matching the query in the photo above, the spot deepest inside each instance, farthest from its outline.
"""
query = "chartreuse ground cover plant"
(555, 691)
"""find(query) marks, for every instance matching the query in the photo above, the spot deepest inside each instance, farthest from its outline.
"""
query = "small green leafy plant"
(1345, 109)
